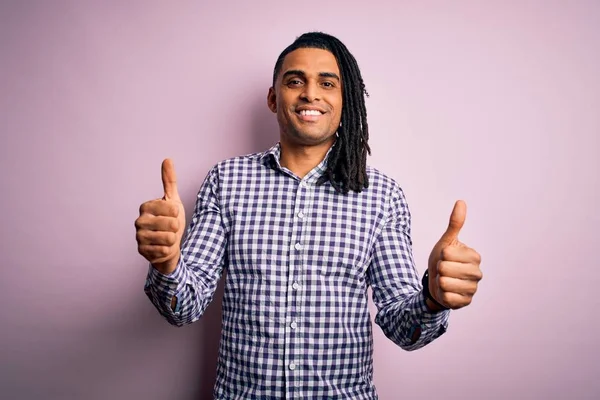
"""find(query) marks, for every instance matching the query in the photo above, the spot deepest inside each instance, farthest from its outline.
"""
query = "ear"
(272, 100)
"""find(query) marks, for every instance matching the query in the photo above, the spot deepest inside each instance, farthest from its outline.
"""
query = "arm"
(402, 310)
(183, 295)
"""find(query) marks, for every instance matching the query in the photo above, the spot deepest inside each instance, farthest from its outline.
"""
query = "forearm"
(182, 296)
(181, 293)
(411, 323)
(167, 268)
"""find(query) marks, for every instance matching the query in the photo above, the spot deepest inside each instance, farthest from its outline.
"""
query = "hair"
(347, 163)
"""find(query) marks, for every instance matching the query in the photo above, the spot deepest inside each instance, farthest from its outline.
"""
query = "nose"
(310, 92)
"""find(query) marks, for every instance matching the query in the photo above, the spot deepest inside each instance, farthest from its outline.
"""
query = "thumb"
(457, 220)
(169, 180)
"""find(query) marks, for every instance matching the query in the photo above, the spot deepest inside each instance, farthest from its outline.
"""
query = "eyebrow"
(301, 73)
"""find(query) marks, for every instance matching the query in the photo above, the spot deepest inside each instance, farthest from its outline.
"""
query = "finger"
(157, 254)
(158, 224)
(169, 180)
(462, 254)
(456, 222)
(458, 270)
(458, 286)
(146, 237)
(160, 208)
(455, 300)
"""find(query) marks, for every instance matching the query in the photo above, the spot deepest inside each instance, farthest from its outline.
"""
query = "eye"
(294, 83)
(328, 84)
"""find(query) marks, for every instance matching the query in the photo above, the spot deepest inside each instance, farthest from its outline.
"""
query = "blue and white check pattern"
(299, 258)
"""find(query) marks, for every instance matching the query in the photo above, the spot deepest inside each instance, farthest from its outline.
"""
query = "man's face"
(307, 97)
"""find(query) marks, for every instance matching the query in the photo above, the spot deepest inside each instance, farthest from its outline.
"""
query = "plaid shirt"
(299, 258)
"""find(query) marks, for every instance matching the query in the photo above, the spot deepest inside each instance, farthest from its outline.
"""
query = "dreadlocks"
(347, 163)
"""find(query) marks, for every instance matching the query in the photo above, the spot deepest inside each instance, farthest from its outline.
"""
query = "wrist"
(432, 304)
(433, 307)
(167, 267)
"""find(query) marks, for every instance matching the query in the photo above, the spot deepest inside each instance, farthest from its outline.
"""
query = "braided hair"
(347, 164)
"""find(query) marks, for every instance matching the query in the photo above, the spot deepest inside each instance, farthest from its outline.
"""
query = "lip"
(309, 118)
(310, 108)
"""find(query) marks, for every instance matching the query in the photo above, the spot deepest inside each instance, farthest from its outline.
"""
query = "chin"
(312, 138)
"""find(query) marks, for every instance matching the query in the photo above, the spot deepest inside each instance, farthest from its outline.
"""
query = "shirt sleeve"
(396, 285)
(195, 279)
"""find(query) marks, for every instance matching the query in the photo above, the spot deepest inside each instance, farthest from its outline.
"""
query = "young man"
(303, 230)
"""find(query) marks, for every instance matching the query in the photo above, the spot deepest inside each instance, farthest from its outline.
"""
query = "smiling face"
(307, 97)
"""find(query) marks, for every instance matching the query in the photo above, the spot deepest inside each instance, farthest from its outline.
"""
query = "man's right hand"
(161, 224)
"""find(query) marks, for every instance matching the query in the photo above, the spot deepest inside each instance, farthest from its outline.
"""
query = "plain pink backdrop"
(494, 102)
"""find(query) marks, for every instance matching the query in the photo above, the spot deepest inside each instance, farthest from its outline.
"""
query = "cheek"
(338, 109)
(337, 115)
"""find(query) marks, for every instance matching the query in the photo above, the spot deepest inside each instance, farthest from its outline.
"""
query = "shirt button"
(300, 214)
(294, 325)
(292, 366)
(295, 286)
(298, 246)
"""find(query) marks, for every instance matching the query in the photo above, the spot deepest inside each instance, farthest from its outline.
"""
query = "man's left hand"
(454, 267)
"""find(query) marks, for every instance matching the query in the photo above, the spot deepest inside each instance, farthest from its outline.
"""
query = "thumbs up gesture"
(453, 267)
(161, 224)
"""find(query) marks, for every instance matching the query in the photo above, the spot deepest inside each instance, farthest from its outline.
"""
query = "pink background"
(497, 103)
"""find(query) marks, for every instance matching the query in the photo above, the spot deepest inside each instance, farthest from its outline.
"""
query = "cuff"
(430, 318)
(165, 287)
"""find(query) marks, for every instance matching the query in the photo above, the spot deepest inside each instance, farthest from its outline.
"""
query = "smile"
(310, 112)
(309, 115)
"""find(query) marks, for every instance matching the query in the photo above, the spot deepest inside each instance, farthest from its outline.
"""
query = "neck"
(301, 159)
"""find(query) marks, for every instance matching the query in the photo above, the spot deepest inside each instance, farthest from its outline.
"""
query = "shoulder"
(381, 182)
(396, 204)
(238, 165)
(239, 162)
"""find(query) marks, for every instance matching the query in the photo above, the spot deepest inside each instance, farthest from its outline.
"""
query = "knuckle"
(144, 207)
(473, 289)
(168, 210)
(174, 225)
(442, 268)
(444, 283)
(163, 251)
(144, 251)
(477, 275)
(446, 252)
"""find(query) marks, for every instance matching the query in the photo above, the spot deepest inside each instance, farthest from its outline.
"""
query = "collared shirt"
(299, 258)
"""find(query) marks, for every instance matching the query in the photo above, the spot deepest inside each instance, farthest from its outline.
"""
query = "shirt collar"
(272, 156)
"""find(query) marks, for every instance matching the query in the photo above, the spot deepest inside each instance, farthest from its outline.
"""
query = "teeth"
(310, 112)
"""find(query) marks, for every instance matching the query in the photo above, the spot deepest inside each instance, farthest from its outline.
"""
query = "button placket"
(295, 271)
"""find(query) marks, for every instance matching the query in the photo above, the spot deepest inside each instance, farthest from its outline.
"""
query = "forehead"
(311, 61)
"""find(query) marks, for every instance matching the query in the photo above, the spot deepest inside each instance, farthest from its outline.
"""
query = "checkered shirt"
(298, 258)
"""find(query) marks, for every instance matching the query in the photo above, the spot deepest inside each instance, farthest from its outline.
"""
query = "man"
(303, 230)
